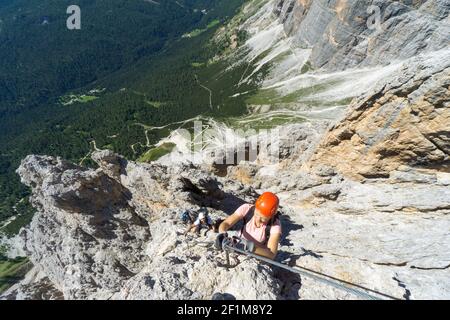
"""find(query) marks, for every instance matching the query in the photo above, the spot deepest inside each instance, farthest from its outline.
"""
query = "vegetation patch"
(272, 96)
(198, 64)
(198, 32)
(306, 67)
(303, 93)
(264, 97)
(12, 271)
(155, 104)
(156, 153)
(266, 121)
(71, 99)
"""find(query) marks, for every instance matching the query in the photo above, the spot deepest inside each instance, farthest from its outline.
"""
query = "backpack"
(249, 216)
(186, 217)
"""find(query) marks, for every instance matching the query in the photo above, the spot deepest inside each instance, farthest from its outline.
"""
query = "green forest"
(61, 90)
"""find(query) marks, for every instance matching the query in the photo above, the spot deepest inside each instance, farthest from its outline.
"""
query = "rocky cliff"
(315, 56)
(403, 123)
(115, 233)
(349, 33)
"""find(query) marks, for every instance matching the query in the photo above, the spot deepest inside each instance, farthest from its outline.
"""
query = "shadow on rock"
(291, 284)
(288, 226)
(222, 296)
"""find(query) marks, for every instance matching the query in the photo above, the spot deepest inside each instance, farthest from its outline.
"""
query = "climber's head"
(266, 206)
(201, 216)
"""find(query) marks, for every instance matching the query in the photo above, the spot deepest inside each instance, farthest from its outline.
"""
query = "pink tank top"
(251, 231)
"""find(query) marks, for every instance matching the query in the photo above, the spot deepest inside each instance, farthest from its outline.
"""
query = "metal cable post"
(319, 277)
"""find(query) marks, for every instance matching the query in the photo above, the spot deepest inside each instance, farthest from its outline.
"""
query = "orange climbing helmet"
(267, 204)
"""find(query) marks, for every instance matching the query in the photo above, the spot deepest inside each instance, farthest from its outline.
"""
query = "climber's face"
(260, 219)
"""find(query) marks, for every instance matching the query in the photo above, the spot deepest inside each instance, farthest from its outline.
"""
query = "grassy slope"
(156, 153)
(11, 271)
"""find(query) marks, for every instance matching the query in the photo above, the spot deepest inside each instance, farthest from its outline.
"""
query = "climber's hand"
(219, 240)
(248, 245)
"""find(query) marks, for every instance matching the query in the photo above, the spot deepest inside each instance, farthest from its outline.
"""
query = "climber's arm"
(272, 247)
(229, 222)
(189, 228)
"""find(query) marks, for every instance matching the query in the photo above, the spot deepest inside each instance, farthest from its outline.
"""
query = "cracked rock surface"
(404, 121)
(342, 33)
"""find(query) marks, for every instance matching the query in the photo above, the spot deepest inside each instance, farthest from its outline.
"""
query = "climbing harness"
(349, 287)
(249, 216)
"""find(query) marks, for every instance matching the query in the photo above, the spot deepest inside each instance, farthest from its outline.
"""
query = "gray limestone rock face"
(138, 250)
(85, 235)
(350, 33)
(402, 122)
(116, 234)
